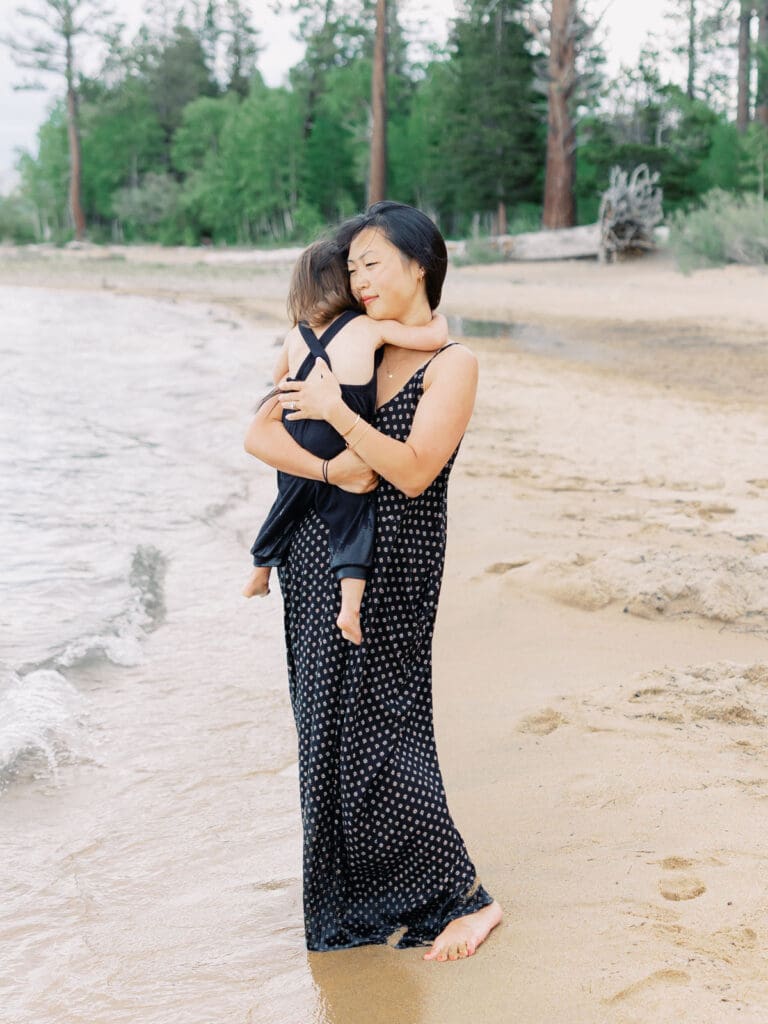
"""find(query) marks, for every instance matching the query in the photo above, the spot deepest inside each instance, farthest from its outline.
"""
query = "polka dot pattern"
(381, 851)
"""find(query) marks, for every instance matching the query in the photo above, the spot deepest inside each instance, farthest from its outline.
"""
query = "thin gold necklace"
(390, 374)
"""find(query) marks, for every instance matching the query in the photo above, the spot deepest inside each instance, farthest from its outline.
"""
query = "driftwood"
(629, 211)
(560, 244)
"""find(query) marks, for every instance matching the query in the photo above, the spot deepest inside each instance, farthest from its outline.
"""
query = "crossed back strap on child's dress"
(317, 346)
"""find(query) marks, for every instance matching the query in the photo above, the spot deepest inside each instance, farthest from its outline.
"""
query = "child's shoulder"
(361, 325)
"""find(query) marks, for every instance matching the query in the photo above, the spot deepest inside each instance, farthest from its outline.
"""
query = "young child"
(319, 299)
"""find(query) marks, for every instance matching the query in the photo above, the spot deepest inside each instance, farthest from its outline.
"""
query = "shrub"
(17, 220)
(726, 228)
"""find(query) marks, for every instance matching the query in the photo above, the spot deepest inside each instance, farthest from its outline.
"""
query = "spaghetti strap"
(341, 321)
(317, 346)
(434, 354)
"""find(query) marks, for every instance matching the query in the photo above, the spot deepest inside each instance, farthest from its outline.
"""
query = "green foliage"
(45, 180)
(17, 220)
(754, 148)
(170, 153)
(496, 145)
(197, 140)
(724, 229)
(121, 140)
(149, 210)
(693, 148)
(178, 74)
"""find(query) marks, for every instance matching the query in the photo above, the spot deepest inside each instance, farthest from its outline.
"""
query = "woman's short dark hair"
(409, 230)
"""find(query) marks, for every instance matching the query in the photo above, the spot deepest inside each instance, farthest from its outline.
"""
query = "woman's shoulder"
(453, 357)
(452, 366)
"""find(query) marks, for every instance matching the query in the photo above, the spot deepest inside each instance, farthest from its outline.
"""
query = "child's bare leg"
(349, 617)
(258, 584)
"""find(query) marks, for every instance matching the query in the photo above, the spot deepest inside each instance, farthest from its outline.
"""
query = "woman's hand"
(313, 398)
(350, 473)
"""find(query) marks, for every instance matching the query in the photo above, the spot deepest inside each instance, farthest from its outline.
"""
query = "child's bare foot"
(258, 584)
(460, 938)
(349, 624)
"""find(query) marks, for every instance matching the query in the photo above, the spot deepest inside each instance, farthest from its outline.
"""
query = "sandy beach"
(601, 688)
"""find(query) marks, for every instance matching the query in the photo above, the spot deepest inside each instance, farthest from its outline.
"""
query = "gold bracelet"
(360, 436)
(357, 420)
(351, 444)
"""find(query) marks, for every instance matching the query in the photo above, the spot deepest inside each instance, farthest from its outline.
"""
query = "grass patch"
(726, 228)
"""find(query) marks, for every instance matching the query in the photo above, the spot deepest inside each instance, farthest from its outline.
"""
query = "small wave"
(120, 641)
(43, 725)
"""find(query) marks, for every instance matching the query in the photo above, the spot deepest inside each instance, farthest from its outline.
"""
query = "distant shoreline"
(705, 333)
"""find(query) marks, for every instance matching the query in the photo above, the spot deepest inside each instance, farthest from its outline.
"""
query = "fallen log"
(558, 244)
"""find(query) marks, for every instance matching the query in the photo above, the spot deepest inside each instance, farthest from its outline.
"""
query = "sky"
(627, 23)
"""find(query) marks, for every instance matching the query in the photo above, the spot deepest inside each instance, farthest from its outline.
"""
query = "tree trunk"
(502, 225)
(73, 136)
(559, 205)
(377, 187)
(761, 107)
(742, 102)
(691, 83)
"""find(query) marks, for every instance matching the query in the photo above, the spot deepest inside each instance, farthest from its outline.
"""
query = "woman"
(381, 852)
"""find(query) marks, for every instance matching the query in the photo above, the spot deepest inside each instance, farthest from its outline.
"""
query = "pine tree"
(242, 48)
(54, 50)
(492, 132)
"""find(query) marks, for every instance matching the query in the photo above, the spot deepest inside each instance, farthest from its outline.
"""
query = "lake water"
(148, 795)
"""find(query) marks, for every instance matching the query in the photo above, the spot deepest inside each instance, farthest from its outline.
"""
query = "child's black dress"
(349, 517)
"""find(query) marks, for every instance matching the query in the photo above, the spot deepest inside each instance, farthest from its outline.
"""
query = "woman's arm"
(268, 440)
(441, 418)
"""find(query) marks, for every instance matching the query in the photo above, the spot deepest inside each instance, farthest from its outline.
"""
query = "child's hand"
(440, 327)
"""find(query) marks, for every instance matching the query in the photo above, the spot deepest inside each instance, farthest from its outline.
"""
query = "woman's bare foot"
(461, 937)
(349, 624)
(258, 584)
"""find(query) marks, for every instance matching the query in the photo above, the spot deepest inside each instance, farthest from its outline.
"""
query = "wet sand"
(601, 691)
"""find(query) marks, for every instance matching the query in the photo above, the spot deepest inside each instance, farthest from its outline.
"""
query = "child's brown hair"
(319, 288)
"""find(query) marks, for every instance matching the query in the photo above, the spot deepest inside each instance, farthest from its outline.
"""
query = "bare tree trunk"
(502, 224)
(73, 135)
(377, 186)
(559, 205)
(745, 61)
(691, 84)
(761, 106)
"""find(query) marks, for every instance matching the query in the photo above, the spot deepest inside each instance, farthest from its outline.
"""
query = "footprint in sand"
(542, 722)
(663, 977)
(680, 887)
(499, 568)
(687, 888)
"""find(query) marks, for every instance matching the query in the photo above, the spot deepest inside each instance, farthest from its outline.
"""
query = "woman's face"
(389, 285)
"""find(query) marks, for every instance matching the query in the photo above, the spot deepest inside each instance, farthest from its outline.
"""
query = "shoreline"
(601, 688)
(641, 319)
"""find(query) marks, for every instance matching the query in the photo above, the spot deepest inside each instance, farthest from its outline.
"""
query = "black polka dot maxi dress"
(381, 851)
